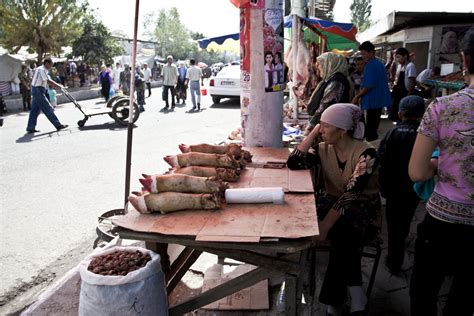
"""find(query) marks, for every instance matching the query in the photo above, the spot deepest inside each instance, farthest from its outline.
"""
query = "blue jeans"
(40, 103)
(195, 88)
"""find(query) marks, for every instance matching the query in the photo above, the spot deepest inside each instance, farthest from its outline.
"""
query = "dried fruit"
(119, 262)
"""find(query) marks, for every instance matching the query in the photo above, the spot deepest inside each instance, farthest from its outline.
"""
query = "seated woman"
(334, 86)
(349, 203)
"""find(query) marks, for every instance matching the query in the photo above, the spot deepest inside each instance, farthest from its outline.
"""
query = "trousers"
(399, 211)
(443, 249)
(41, 103)
(195, 90)
(372, 122)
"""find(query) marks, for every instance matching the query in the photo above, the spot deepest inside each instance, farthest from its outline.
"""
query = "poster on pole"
(273, 45)
(245, 47)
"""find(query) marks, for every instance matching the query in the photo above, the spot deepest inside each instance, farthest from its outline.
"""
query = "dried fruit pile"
(119, 262)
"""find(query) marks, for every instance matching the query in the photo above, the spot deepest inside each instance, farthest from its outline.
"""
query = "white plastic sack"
(140, 292)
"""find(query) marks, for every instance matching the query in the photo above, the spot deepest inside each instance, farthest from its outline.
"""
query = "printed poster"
(245, 47)
(273, 45)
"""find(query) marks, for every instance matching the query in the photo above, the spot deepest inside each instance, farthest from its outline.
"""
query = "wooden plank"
(181, 266)
(302, 219)
(222, 291)
(261, 260)
(266, 154)
(300, 181)
(227, 238)
(233, 221)
(282, 246)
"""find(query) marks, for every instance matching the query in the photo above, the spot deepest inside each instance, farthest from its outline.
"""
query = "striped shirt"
(40, 78)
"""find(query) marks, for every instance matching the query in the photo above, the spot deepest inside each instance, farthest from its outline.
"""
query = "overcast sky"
(220, 17)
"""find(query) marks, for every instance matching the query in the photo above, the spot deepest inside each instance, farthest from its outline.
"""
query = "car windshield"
(230, 72)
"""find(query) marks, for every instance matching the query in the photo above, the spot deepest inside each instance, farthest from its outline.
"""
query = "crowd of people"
(428, 155)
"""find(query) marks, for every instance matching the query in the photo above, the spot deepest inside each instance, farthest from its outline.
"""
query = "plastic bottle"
(280, 303)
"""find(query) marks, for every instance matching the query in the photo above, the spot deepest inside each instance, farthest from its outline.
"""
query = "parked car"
(226, 84)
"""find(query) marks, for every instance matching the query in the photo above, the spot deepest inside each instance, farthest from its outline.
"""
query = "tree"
(360, 14)
(43, 26)
(172, 36)
(96, 45)
(196, 35)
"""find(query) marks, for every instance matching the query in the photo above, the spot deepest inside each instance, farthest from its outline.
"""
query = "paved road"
(55, 184)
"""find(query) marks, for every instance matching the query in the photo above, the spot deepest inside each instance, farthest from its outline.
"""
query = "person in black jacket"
(395, 184)
(334, 87)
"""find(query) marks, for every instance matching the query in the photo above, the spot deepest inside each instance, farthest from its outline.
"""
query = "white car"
(226, 84)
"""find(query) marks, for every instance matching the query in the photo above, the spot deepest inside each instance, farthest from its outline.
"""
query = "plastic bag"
(140, 292)
(112, 91)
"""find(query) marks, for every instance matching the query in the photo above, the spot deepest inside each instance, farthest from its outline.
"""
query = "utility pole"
(262, 111)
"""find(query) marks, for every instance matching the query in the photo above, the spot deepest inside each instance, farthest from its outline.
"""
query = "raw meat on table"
(231, 149)
(167, 202)
(201, 159)
(224, 174)
(182, 183)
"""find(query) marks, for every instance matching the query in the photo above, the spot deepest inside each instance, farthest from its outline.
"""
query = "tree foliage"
(172, 36)
(43, 25)
(360, 14)
(96, 45)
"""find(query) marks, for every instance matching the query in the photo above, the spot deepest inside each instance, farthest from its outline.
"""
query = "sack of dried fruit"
(122, 281)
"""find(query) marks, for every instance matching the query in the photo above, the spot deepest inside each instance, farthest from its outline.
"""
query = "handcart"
(117, 108)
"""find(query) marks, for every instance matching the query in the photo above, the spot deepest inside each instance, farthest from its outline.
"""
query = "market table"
(275, 238)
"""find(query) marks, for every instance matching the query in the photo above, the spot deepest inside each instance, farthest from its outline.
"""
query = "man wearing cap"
(395, 184)
(39, 86)
(169, 73)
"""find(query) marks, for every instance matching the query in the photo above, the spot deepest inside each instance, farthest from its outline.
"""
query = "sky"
(220, 17)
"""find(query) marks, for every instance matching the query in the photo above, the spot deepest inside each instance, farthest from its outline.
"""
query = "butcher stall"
(275, 237)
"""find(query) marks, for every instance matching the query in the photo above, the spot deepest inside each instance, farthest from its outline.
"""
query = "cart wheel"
(114, 99)
(81, 123)
(120, 112)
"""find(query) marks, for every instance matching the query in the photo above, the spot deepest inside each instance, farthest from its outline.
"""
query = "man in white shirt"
(39, 88)
(147, 77)
(405, 80)
(116, 76)
(169, 73)
(193, 78)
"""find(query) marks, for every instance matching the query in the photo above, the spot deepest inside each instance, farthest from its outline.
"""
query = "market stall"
(272, 237)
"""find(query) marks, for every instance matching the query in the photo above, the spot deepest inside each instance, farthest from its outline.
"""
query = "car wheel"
(216, 100)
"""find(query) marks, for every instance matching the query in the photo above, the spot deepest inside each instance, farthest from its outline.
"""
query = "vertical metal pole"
(131, 107)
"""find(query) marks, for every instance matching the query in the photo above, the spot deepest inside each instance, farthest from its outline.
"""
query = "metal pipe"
(128, 163)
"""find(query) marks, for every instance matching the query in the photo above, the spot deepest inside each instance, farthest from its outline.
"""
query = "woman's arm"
(309, 139)
(364, 169)
(300, 158)
(420, 168)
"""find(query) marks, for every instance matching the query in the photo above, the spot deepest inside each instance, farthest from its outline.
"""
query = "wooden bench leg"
(162, 250)
(375, 266)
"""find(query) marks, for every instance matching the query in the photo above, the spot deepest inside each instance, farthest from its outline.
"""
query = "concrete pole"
(263, 124)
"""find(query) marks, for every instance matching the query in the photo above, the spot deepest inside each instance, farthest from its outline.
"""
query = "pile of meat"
(197, 179)
(119, 262)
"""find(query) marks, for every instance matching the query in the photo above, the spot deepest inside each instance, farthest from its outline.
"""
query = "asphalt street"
(56, 184)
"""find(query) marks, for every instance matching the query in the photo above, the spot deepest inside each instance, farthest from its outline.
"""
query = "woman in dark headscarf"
(334, 87)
